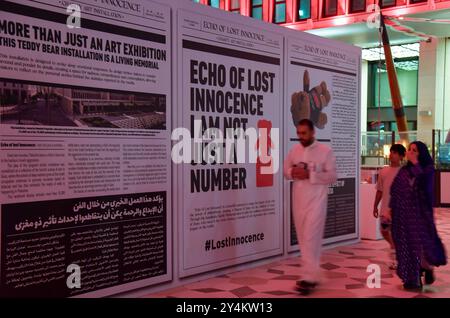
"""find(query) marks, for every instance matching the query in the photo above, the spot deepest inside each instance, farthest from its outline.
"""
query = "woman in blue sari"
(417, 244)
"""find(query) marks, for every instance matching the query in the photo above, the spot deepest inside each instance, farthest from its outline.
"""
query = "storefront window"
(330, 8)
(304, 9)
(214, 3)
(235, 6)
(387, 3)
(257, 9)
(357, 6)
(280, 11)
(407, 75)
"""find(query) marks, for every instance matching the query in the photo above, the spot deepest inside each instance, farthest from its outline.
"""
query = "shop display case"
(441, 156)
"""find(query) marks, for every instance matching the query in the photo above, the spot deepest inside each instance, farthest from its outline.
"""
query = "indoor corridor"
(344, 271)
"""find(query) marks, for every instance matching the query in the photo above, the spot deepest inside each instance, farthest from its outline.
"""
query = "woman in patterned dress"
(417, 244)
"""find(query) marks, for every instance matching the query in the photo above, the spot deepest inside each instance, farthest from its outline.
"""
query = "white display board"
(85, 147)
(332, 69)
(229, 76)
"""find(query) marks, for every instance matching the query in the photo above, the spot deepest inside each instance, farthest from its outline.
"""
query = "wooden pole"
(397, 103)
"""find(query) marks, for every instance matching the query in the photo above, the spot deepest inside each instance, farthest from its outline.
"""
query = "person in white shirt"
(385, 178)
(312, 167)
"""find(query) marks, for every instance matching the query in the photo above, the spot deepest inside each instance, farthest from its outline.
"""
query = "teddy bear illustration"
(310, 103)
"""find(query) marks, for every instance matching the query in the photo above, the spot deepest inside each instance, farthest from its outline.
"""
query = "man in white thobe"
(312, 167)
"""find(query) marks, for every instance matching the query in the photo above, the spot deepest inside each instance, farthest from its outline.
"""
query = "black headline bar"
(322, 68)
(43, 14)
(202, 47)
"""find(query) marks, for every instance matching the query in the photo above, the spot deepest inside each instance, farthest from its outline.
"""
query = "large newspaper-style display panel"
(85, 147)
(229, 77)
(322, 84)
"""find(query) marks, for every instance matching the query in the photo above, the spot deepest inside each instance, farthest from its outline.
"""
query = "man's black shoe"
(412, 287)
(306, 284)
(305, 288)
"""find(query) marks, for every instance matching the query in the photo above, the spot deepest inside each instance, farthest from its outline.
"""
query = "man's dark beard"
(307, 143)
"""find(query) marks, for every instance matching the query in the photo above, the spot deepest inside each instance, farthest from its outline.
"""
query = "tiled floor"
(344, 270)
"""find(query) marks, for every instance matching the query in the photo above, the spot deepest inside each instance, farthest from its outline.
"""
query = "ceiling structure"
(361, 35)
(398, 52)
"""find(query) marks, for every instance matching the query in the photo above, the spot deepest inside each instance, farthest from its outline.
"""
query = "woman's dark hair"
(424, 155)
(426, 184)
